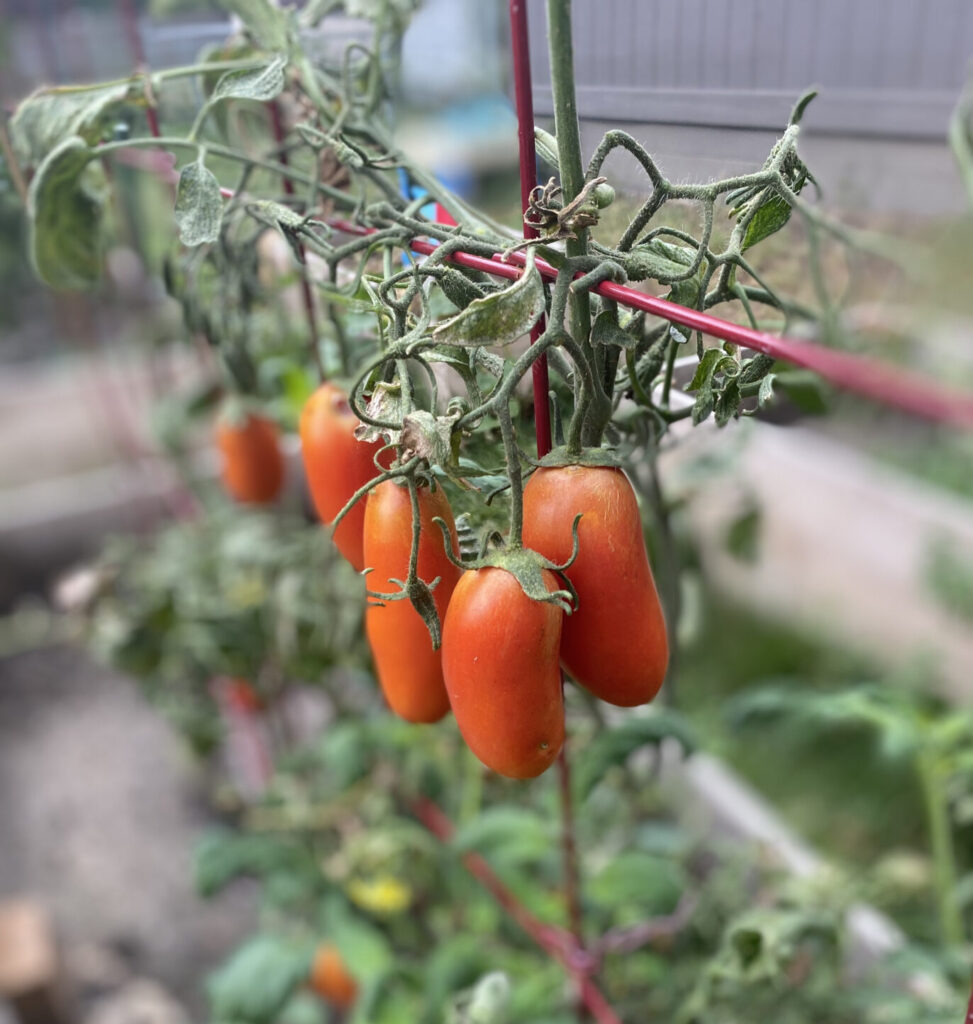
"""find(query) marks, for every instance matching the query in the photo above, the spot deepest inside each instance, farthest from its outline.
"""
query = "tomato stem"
(941, 842)
(277, 125)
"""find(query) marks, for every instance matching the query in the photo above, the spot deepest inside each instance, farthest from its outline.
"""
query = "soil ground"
(99, 812)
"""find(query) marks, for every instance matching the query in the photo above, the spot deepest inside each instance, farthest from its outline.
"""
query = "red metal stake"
(528, 179)
(520, 46)
(128, 15)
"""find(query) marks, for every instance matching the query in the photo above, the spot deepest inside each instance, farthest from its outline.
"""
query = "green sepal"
(586, 457)
(420, 594)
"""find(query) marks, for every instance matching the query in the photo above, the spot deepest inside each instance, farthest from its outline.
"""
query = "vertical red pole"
(520, 42)
(129, 17)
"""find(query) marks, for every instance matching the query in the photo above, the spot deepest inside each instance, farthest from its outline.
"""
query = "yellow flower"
(382, 894)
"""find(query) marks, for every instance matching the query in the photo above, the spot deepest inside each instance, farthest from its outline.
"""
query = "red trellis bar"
(869, 377)
(883, 383)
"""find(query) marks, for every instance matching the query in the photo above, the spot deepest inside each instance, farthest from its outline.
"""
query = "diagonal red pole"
(872, 378)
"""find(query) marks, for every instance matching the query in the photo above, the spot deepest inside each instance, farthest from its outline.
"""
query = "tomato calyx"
(419, 593)
(585, 457)
(412, 474)
(525, 565)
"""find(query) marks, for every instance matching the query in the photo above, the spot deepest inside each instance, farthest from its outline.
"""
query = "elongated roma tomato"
(253, 466)
(331, 979)
(615, 643)
(500, 660)
(409, 670)
(337, 465)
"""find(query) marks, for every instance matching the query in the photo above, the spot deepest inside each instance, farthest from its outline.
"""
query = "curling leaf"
(65, 205)
(500, 317)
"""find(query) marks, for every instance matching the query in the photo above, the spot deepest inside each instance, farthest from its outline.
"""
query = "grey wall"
(885, 67)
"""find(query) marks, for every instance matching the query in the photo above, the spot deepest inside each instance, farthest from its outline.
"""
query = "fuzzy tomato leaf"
(766, 391)
(500, 317)
(65, 205)
(606, 331)
(47, 116)
(199, 206)
(262, 83)
(706, 368)
(770, 217)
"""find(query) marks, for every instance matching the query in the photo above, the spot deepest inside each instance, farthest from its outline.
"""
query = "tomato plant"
(410, 331)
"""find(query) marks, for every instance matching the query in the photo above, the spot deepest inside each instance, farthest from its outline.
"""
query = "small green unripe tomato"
(603, 195)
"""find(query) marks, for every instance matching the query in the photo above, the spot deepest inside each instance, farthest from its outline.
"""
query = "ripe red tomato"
(409, 670)
(615, 643)
(241, 696)
(331, 979)
(253, 466)
(500, 660)
(337, 464)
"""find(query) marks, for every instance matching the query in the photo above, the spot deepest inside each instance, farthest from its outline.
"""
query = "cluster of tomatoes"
(499, 664)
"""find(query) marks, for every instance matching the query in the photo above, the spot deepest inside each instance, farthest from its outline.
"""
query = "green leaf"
(65, 205)
(770, 217)
(199, 206)
(661, 261)
(712, 358)
(508, 835)
(266, 22)
(640, 879)
(303, 1008)
(605, 331)
(546, 146)
(802, 104)
(222, 856)
(262, 83)
(805, 389)
(500, 317)
(883, 710)
(766, 391)
(47, 116)
(458, 288)
(727, 401)
(360, 943)
(455, 962)
(949, 577)
(614, 746)
(743, 534)
(259, 979)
